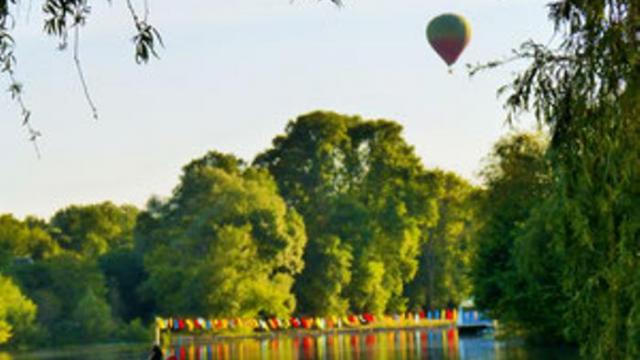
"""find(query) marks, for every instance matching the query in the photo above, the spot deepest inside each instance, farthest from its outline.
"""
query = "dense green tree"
(586, 92)
(57, 285)
(24, 239)
(17, 313)
(124, 274)
(539, 304)
(445, 255)
(93, 230)
(594, 212)
(516, 275)
(226, 243)
(93, 316)
(359, 183)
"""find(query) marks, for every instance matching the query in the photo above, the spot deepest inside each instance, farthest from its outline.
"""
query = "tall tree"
(226, 243)
(359, 186)
(587, 92)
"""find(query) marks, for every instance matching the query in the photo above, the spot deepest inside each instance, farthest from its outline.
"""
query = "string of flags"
(200, 324)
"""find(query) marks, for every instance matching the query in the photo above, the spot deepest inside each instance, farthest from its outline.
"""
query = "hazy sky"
(231, 76)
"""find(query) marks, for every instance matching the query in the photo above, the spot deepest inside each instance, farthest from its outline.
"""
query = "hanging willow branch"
(61, 16)
(599, 52)
(7, 66)
(146, 38)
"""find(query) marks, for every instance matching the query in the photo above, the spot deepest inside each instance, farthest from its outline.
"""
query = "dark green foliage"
(57, 286)
(124, 272)
(75, 295)
(93, 318)
(596, 203)
(442, 279)
(517, 271)
(586, 92)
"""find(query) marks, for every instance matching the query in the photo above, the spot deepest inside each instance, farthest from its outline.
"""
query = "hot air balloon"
(449, 34)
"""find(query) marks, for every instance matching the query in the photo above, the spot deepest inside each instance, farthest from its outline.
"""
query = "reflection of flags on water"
(365, 345)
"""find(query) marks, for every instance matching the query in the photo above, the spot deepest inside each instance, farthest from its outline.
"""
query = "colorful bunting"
(320, 323)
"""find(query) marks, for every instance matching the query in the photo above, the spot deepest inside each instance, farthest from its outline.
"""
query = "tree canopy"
(360, 188)
(28, 238)
(93, 230)
(227, 244)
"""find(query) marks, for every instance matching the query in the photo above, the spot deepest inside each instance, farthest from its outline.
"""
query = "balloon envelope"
(449, 34)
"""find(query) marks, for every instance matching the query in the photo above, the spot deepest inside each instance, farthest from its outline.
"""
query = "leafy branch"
(591, 66)
(61, 16)
(147, 37)
(7, 65)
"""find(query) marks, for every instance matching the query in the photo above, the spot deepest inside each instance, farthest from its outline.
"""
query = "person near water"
(156, 353)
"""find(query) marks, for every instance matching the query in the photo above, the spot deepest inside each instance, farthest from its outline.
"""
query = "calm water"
(402, 344)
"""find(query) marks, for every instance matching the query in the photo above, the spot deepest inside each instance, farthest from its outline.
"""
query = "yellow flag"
(189, 324)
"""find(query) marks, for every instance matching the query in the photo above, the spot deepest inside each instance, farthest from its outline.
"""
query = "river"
(398, 344)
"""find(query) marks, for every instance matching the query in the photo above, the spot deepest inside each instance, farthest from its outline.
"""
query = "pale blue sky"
(231, 76)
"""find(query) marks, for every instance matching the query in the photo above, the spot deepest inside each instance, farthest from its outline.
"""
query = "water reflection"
(401, 344)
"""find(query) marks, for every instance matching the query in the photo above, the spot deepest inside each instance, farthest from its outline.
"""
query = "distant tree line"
(338, 216)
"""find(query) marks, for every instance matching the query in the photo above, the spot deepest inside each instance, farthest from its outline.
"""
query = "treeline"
(338, 216)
